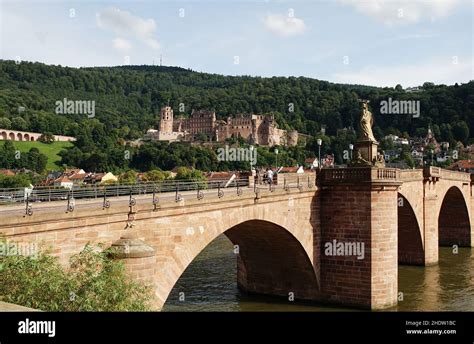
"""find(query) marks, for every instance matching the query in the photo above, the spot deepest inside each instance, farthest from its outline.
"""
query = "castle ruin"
(254, 129)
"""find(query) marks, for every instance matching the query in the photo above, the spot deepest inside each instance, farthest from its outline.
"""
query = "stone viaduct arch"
(410, 236)
(283, 241)
(270, 260)
(15, 135)
(439, 203)
(454, 226)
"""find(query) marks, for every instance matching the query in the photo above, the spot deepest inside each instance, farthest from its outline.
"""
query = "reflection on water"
(448, 286)
(210, 284)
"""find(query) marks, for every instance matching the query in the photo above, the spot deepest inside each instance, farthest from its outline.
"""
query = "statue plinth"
(367, 154)
(368, 149)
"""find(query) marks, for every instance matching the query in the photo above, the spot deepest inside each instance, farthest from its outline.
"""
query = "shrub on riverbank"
(93, 282)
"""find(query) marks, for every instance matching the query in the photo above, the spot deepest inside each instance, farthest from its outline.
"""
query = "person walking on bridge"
(270, 176)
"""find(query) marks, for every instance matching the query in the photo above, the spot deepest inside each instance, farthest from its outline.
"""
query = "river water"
(210, 284)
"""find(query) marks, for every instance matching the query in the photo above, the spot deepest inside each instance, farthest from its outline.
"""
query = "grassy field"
(50, 150)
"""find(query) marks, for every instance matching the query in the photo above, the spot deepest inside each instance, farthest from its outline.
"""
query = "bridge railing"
(411, 174)
(359, 174)
(179, 188)
(56, 193)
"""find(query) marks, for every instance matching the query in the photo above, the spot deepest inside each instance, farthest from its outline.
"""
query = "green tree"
(461, 131)
(93, 282)
(184, 173)
(8, 155)
(35, 160)
(5, 123)
(155, 176)
(20, 180)
(408, 159)
(19, 123)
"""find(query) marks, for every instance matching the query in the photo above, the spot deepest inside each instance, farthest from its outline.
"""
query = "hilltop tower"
(166, 120)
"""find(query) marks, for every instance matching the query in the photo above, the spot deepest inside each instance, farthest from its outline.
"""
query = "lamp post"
(251, 154)
(351, 147)
(319, 141)
(276, 158)
(432, 157)
(422, 158)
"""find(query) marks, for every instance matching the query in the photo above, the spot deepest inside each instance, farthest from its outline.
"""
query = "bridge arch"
(410, 239)
(271, 260)
(19, 136)
(454, 226)
(12, 136)
(3, 135)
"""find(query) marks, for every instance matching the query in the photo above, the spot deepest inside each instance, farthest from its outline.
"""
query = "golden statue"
(366, 123)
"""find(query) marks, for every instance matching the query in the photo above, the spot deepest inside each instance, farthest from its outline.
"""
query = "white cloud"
(122, 45)
(437, 71)
(403, 11)
(285, 26)
(127, 24)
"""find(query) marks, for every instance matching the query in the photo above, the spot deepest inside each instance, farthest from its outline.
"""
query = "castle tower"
(166, 120)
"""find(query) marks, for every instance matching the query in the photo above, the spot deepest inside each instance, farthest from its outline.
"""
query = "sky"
(370, 42)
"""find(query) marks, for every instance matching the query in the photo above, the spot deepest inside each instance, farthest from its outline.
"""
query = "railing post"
(29, 209)
(131, 200)
(155, 199)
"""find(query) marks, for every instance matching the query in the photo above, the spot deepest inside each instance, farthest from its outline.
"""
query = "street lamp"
(251, 155)
(432, 157)
(319, 141)
(351, 147)
(422, 157)
(276, 158)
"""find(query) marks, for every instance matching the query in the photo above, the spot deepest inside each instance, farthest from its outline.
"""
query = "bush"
(156, 176)
(46, 138)
(93, 282)
(129, 177)
(184, 173)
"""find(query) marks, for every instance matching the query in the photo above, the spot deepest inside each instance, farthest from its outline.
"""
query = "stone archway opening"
(253, 258)
(3, 136)
(12, 136)
(410, 244)
(454, 226)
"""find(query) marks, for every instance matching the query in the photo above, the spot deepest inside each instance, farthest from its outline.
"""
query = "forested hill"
(128, 98)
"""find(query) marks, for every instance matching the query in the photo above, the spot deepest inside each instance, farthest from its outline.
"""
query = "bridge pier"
(359, 213)
(431, 239)
(139, 260)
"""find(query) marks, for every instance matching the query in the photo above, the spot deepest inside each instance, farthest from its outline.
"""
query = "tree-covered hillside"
(128, 100)
(133, 95)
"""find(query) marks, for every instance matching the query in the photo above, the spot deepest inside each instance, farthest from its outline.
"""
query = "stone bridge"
(14, 135)
(280, 237)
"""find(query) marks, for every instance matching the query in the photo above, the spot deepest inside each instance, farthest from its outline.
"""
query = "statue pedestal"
(368, 150)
